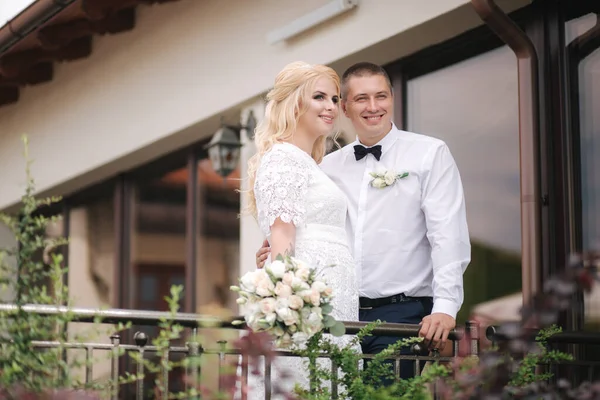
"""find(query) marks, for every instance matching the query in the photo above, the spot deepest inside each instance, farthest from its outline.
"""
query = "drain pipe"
(28, 21)
(527, 63)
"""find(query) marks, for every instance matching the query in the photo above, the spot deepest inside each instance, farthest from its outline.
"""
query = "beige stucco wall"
(166, 83)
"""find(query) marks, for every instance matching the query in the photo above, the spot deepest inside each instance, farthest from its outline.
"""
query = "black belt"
(365, 302)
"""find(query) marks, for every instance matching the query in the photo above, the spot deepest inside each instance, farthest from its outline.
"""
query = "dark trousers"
(410, 311)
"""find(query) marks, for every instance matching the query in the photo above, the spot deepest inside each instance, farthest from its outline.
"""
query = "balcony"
(134, 358)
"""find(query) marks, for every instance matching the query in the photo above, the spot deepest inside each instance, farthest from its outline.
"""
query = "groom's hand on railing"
(262, 254)
(435, 328)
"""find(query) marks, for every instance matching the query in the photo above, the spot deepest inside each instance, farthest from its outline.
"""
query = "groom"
(409, 230)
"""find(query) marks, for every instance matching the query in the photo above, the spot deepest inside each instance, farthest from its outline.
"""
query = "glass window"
(588, 89)
(218, 230)
(158, 244)
(585, 80)
(473, 107)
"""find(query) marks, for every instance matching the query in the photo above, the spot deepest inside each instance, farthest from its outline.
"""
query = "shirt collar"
(386, 143)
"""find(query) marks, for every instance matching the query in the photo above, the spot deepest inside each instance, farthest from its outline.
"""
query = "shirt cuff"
(446, 307)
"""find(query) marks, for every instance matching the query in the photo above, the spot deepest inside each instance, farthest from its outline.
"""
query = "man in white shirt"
(410, 236)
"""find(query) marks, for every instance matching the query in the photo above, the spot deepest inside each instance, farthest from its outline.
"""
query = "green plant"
(31, 281)
(32, 273)
(363, 383)
(527, 373)
(169, 333)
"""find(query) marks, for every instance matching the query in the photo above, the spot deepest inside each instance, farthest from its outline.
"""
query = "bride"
(298, 208)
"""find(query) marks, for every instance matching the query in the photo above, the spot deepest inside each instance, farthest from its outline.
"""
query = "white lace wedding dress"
(291, 186)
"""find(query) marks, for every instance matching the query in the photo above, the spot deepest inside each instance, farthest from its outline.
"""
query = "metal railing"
(194, 350)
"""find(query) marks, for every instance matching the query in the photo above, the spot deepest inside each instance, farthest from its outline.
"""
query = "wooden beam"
(55, 36)
(39, 73)
(12, 65)
(99, 9)
(8, 95)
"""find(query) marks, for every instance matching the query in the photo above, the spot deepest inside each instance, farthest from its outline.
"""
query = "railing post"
(472, 332)
(222, 347)
(194, 352)
(116, 341)
(140, 340)
(89, 364)
(334, 380)
(165, 372)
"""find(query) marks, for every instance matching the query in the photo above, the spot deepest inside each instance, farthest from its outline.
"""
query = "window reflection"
(585, 77)
(588, 88)
(472, 106)
(218, 231)
(158, 237)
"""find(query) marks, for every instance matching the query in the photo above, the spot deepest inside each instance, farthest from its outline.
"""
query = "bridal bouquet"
(287, 300)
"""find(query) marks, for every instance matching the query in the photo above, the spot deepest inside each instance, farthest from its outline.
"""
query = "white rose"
(248, 281)
(303, 273)
(252, 308)
(283, 290)
(253, 321)
(299, 338)
(305, 294)
(270, 318)
(276, 268)
(288, 316)
(287, 278)
(328, 292)
(317, 311)
(296, 302)
(282, 302)
(389, 177)
(293, 319)
(267, 306)
(264, 286)
(313, 324)
(378, 183)
(315, 297)
(319, 286)
(299, 285)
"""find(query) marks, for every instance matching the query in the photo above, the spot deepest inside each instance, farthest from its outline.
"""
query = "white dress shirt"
(410, 237)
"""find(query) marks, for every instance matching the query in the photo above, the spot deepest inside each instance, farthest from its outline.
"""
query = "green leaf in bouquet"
(326, 308)
(338, 329)
(329, 321)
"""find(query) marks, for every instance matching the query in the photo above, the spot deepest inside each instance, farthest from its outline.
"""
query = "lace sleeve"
(280, 189)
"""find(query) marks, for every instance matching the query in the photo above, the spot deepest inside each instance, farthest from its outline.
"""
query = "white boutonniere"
(383, 178)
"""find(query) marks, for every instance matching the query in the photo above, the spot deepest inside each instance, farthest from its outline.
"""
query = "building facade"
(118, 100)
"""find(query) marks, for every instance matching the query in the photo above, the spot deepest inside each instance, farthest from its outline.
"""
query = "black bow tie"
(361, 152)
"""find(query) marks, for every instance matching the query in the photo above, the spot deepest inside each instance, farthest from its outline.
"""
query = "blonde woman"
(299, 209)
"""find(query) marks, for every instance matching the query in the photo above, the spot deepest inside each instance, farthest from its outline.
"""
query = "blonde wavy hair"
(286, 102)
